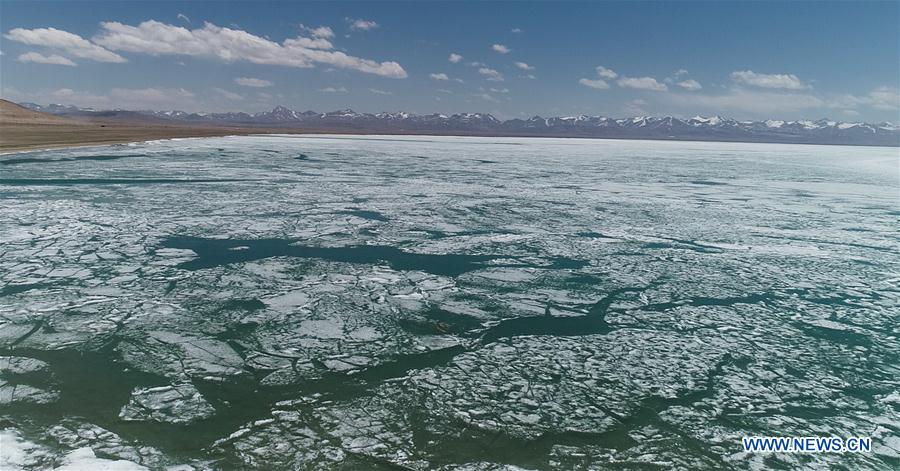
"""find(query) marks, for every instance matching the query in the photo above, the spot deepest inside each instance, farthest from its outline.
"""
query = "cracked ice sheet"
(177, 404)
(526, 391)
(71, 445)
(15, 375)
(789, 253)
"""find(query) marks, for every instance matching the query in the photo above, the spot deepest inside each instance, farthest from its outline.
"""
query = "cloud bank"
(778, 81)
(491, 74)
(70, 43)
(362, 25)
(252, 82)
(500, 49)
(52, 59)
(232, 45)
(599, 84)
(690, 85)
(642, 83)
(524, 66)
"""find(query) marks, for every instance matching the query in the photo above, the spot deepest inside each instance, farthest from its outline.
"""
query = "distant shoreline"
(17, 137)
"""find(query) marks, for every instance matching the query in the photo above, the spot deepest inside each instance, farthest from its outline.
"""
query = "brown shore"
(24, 137)
(15, 137)
(22, 129)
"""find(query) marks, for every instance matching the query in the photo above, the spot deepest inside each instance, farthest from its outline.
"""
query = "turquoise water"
(328, 302)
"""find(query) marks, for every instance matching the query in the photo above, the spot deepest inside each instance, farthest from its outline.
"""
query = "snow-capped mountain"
(713, 128)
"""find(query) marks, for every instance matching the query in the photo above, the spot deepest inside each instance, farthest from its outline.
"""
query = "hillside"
(11, 113)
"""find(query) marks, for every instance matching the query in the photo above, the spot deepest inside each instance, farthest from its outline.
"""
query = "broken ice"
(446, 303)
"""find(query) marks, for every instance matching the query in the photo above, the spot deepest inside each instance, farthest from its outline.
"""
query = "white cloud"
(642, 83)
(491, 74)
(71, 43)
(231, 45)
(517, 30)
(499, 90)
(638, 83)
(63, 92)
(444, 90)
(439, 77)
(380, 92)
(690, 85)
(766, 104)
(599, 84)
(252, 82)
(680, 73)
(151, 93)
(500, 48)
(333, 90)
(152, 98)
(846, 101)
(126, 98)
(362, 25)
(182, 16)
(488, 97)
(883, 98)
(635, 108)
(455, 58)
(524, 66)
(227, 94)
(52, 59)
(311, 43)
(321, 32)
(779, 81)
(529, 76)
(603, 72)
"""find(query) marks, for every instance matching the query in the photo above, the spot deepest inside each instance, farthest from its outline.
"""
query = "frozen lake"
(321, 302)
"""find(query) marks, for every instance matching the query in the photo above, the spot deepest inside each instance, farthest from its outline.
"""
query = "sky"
(746, 60)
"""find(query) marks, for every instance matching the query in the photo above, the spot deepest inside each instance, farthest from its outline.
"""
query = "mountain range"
(716, 128)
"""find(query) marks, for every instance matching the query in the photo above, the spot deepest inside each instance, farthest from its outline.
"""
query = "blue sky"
(786, 60)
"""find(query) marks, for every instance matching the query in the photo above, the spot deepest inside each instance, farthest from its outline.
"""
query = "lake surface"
(328, 302)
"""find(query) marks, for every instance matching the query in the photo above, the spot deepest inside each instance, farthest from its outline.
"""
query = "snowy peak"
(280, 113)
